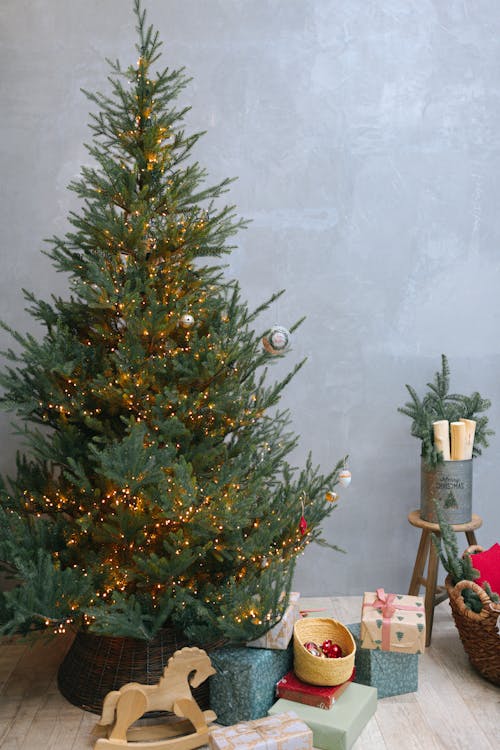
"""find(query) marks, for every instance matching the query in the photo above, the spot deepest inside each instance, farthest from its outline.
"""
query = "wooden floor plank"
(442, 701)
(50, 734)
(453, 708)
(11, 745)
(487, 714)
(19, 724)
(403, 726)
(83, 738)
(8, 662)
(371, 737)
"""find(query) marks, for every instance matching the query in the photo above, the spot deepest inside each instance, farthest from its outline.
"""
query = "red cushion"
(488, 564)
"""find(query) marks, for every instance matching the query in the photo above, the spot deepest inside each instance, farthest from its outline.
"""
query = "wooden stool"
(433, 594)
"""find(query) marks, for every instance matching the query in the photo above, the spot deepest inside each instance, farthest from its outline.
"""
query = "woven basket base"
(482, 646)
(480, 640)
(96, 664)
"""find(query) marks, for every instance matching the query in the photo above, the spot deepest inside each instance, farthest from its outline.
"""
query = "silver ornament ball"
(187, 320)
(277, 341)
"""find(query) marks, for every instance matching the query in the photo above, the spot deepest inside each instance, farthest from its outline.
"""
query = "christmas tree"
(154, 487)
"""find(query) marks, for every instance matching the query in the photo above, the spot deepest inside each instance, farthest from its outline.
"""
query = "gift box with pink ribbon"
(393, 622)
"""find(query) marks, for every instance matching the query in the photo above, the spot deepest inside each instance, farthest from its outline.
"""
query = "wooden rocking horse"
(121, 708)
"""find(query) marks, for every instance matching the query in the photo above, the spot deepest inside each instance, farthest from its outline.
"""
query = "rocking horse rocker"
(121, 708)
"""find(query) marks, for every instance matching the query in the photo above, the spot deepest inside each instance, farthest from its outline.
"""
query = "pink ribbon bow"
(385, 603)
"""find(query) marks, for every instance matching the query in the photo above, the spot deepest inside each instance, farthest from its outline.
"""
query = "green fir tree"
(154, 487)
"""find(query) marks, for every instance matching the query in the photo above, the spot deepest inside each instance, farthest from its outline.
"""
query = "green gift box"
(338, 727)
(390, 672)
(244, 686)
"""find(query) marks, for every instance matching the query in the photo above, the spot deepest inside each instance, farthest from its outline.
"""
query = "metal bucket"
(450, 483)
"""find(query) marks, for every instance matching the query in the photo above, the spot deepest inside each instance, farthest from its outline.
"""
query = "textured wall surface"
(366, 138)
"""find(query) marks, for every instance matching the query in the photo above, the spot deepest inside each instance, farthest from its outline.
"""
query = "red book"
(293, 689)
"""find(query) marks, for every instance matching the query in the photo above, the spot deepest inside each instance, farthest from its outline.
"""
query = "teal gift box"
(244, 686)
(338, 727)
(390, 672)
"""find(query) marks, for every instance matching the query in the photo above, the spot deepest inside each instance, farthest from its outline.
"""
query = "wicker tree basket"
(313, 669)
(96, 664)
(477, 630)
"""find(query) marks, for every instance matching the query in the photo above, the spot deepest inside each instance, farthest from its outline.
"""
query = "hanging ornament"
(302, 522)
(345, 475)
(331, 497)
(187, 320)
(277, 341)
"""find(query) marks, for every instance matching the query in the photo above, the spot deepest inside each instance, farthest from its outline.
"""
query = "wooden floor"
(453, 708)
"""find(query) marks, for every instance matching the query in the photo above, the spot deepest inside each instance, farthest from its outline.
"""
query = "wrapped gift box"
(243, 687)
(293, 689)
(393, 622)
(391, 673)
(283, 732)
(281, 635)
(340, 726)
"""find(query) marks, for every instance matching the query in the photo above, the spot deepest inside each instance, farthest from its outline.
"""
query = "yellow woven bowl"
(314, 669)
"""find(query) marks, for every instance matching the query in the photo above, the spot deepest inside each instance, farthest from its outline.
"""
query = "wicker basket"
(96, 664)
(314, 669)
(478, 630)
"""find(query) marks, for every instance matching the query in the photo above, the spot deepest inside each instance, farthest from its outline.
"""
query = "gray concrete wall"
(366, 138)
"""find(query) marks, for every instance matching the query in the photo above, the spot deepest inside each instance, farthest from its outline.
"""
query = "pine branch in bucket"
(451, 426)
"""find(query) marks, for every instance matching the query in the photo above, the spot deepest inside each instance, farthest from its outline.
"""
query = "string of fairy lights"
(216, 404)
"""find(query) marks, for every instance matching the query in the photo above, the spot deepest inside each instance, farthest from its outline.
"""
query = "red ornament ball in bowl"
(331, 650)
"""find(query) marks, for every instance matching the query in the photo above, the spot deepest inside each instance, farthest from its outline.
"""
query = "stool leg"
(418, 570)
(430, 592)
(471, 537)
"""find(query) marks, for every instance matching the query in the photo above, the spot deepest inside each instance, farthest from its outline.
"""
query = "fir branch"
(438, 404)
(459, 567)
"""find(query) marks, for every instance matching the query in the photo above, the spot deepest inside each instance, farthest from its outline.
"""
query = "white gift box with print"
(280, 636)
(283, 732)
